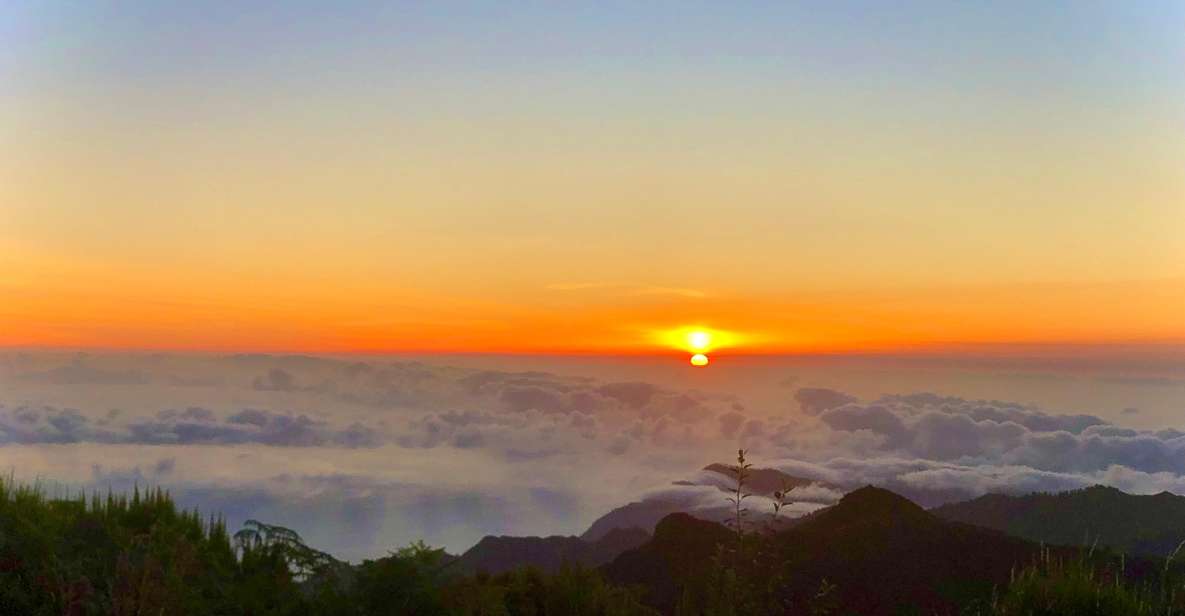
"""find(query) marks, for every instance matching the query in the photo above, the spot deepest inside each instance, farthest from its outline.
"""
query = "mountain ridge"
(882, 551)
(498, 554)
(1151, 525)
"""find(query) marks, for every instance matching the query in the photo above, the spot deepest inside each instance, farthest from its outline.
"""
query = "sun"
(698, 340)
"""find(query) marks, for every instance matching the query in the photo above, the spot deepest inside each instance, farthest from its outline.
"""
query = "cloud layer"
(939, 448)
(363, 456)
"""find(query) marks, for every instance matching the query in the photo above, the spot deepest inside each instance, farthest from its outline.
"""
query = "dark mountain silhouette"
(646, 514)
(623, 528)
(499, 554)
(680, 554)
(1147, 525)
(883, 553)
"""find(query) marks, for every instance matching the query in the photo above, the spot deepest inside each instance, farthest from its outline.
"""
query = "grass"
(1084, 585)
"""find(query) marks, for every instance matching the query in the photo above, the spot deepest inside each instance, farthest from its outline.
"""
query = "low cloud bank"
(940, 448)
(488, 451)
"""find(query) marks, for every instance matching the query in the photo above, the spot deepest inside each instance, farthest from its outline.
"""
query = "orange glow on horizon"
(699, 339)
(92, 306)
(442, 199)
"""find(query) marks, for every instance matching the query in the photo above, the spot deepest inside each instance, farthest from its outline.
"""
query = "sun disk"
(699, 340)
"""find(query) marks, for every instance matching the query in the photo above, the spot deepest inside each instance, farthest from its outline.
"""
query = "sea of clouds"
(362, 456)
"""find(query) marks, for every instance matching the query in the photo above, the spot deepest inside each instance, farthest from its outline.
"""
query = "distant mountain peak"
(871, 505)
(501, 553)
(677, 522)
(879, 499)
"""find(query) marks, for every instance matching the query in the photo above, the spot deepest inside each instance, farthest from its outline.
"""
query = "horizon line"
(1015, 349)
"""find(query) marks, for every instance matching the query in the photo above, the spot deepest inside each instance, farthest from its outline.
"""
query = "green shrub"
(140, 554)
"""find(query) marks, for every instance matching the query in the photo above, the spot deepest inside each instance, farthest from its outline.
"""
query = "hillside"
(1129, 523)
(500, 554)
(882, 552)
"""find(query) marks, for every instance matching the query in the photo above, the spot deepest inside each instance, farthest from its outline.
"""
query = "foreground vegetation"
(1053, 586)
(139, 554)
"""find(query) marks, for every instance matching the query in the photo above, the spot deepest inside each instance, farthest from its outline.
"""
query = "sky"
(579, 178)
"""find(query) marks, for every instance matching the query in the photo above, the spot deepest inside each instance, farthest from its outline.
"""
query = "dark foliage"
(139, 555)
(115, 555)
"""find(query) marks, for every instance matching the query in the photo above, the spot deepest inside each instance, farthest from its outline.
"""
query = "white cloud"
(410, 450)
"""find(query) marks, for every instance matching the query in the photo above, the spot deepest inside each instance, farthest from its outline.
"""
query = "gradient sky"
(548, 177)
